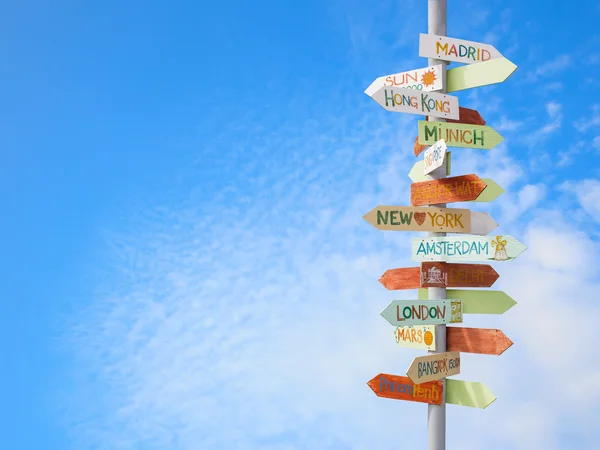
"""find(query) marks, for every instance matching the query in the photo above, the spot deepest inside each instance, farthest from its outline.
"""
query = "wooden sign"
(455, 50)
(423, 312)
(463, 188)
(434, 157)
(478, 301)
(426, 79)
(466, 248)
(484, 341)
(439, 274)
(459, 135)
(434, 367)
(416, 336)
(402, 388)
(412, 101)
(468, 393)
(480, 74)
(467, 116)
(416, 174)
(452, 220)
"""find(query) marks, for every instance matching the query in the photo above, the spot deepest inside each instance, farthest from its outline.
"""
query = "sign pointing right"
(459, 135)
(445, 48)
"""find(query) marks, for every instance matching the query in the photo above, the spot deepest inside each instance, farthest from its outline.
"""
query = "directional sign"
(434, 156)
(416, 336)
(459, 135)
(439, 274)
(464, 188)
(434, 367)
(480, 74)
(412, 101)
(418, 312)
(410, 218)
(416, 173)
(484, 341)
(402, 388)
(426, 79)
(468, 393)
(455, 50)
(468, 116)
(466, 248)
(478, 301)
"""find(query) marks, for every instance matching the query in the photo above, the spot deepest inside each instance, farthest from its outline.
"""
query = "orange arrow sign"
(447, 190)
(439, 274)
(402, 388)
(466, 115)
(484, 341)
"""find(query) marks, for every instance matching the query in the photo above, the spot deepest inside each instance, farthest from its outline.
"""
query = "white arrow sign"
(412, 101)
(426, 79)
(416, 173)
(434, 157)
(455, 50)
(466, 248)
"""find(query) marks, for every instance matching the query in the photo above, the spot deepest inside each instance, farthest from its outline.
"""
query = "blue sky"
(186, 264)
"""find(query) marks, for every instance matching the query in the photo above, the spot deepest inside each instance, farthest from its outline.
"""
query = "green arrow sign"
(459, 135)
(417, 312)
(478, 301)
(468, 393)
(479, 74)
(491, 192)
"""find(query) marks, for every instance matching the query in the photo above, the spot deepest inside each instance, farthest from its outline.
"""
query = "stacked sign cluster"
(446, 261)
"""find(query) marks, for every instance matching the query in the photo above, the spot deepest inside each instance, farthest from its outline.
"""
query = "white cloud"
(587, 193)
(553, 67)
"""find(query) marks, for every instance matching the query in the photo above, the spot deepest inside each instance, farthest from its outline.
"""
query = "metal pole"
(436, 415)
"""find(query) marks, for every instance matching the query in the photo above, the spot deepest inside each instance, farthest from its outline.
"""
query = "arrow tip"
(503, 343)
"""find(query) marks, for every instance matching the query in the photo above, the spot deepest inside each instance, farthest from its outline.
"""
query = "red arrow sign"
(446, 190)
(402, 388)
(442, 274)
(484, 341)
(439, 274)
(466, 115)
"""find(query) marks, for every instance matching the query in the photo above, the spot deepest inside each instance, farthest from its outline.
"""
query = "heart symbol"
(420, 217)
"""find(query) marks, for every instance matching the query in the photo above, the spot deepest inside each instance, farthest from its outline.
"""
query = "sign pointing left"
(450, 220)
(412, 101)
(426, 79)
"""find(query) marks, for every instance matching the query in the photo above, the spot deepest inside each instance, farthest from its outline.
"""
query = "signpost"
(410, 218)
(426, 79)
(466, 248)
(434, 367)
(478, 302)
(418, 312)
(417, 174)
(402, 388)
(480, 74)
(463, 188)
(434, 157)
(468, 393)
(411, 101)
(484, 341)
(422, 323)
(459, 135)
(439, 274)
(416, 336)
(455, 50)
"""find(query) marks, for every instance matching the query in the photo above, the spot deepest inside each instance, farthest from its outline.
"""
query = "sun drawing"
(428, 337)
(428, 78)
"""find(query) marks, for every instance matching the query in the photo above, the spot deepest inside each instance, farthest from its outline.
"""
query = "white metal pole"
(436, 415)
